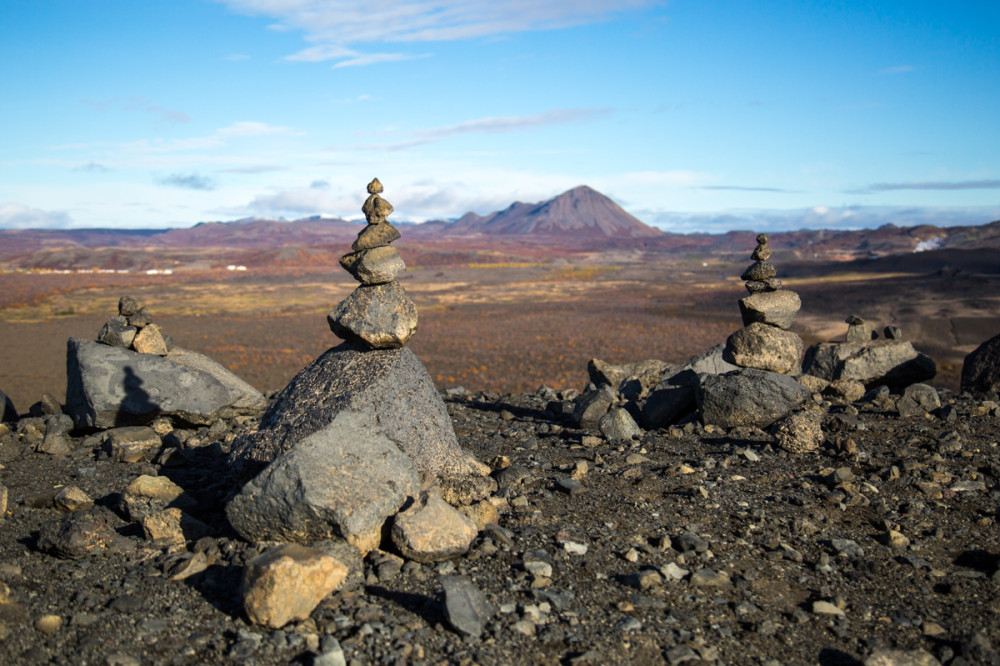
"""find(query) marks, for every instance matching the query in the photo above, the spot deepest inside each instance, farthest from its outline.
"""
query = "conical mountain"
(581, 212)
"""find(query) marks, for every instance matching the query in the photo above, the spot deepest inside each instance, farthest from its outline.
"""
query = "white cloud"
(333, 25)
(253, 128)
(188, 181)
(16, 216)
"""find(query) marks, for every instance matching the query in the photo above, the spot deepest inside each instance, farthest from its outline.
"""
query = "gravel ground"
(693, 545)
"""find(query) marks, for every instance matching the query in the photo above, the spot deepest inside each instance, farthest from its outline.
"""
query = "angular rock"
(132, 443)
(775, 308)
(172, 526)
(117, 332)
(141, 318)
(668, 404)
(71, 499)
(342, 480)
(149, 340)
(465, 608)
(376, 209)
(592, 406)
(647, 373)
(850, 390)
(749, 397)
(896, 657)
(286, 584)
(110, 386)
(375, 266)
(618, 426)
(150, 494)
(801, 431)
(981, 369)
(894, 363)
(389, 388)
(380, 316)
(432, 531)
(917, 400)
(765, 348)
(375, 235)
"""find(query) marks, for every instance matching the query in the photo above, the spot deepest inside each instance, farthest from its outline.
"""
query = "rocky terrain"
(684, 544)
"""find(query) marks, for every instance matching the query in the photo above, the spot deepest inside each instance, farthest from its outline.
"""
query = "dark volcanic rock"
(749, 397)
(111, 386)
(343, 481)
(390, 386)
(981, 370)
(7, 410)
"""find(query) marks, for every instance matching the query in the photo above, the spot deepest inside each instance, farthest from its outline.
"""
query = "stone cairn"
(378, 314)
(360, 430)
(765, 342)
(133, 328)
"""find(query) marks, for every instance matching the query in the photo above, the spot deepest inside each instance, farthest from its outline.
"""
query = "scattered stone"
(48, 624)
(71, 499)
(132, 443)
(173, 527)
(592, 406)
(849, 390)
(465, 608)
(150, 494)
(432, 531)
(895, 657)
(618, 426)
(710, 578)
(286, 583)
(918, 400)
(826, 608)
(800, 431)
(80, 534)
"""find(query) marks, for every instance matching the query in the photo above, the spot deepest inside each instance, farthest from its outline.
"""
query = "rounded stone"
(380, 316)
(375, 235)
(764, 347)
(374, 187)
(759, 271)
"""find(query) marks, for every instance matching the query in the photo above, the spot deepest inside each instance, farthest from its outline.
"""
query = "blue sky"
(694, 116)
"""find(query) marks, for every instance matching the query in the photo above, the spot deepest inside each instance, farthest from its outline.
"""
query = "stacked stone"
(765, 342)
(378, 314)
(133, 328)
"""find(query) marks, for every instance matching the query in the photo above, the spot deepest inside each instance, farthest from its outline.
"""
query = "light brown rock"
(286, 583)
(149, 340)
(132, 443)
(764, 347)
(380, 316)
(845, 389)
(375, 266)
(375, 235)
(482, 513)
(71, 498)
(173, 526)
(432, 531)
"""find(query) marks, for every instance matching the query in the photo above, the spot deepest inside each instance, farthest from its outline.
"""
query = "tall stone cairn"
(378, 314)
(765, 342)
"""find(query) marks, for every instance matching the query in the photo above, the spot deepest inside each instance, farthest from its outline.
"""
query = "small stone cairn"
(378, 314)
(765, 342)
(133, 328)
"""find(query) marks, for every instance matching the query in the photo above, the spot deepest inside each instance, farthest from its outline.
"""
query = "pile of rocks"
(864, 358)
(134, 374)
(765, 342)
(361, 432)
(133, 328)
(379, 314)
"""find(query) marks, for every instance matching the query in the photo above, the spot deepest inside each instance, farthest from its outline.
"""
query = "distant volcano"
(579, 213)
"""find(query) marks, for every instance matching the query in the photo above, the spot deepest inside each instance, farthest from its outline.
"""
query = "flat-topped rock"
(375, 266)
(749, 397)
(375, 235)
(775, 308)
(764, 347)
(894, 363)
(112, 386)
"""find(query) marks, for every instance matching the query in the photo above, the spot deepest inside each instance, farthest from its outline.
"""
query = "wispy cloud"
(93, 167)
(819, 217)
(497, 125)
(929, 185)
(191, 181)
(332, 26)
(16, 216)
(254, 169)
(141, 104)
(253, 128)
(363, 59)
(743, 188)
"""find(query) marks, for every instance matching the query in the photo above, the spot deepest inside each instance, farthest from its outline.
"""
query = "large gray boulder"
(389, 387)
(113, 386)
(341, 481)
(674, 397)
(750, 397)
(981, 370)
(894, 363)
